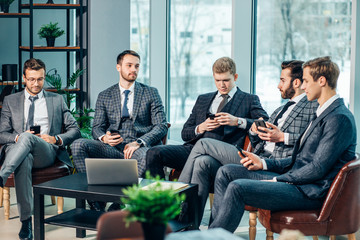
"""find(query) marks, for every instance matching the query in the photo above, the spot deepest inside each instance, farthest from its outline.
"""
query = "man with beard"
(129, 119)
(276, 141)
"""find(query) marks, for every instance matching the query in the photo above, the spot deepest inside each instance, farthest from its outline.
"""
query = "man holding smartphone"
(275, 138)
(31, 134)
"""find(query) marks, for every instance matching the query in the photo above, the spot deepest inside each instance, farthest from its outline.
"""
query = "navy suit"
(303, 180)
(242, 105)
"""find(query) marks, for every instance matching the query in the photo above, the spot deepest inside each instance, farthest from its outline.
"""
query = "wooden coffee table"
(75, 186)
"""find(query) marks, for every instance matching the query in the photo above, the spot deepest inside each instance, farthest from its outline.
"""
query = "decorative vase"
(5, 7)
(153, 231)
(50, 41)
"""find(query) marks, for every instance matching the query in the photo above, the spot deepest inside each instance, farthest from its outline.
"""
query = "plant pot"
(153, 231)
(5, 7)
(50, 42)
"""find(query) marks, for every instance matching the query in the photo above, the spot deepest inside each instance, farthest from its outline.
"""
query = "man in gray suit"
(129, 119)
(277, 141)
(23, 148)
(299, 182)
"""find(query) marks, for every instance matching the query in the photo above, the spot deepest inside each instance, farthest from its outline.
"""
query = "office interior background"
(178, 41)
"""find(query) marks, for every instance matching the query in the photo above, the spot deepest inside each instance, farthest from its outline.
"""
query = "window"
(139, 35)
(192, 53)
(302, 30)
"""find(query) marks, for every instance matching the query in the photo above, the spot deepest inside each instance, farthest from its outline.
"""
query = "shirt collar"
(231, 93)
(298, 98)
(40, 94)
(321, 109)
(123, 89)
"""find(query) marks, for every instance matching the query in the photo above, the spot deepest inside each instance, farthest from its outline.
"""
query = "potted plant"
(50, 31)
(5, 4)
(153, 207)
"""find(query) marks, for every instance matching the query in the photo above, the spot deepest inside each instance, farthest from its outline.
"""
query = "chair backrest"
(247, 144)
(342, 204)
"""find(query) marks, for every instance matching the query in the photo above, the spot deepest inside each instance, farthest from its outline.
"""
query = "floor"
(9, 229)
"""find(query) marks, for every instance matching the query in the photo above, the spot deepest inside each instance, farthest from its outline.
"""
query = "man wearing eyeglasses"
(31, 135)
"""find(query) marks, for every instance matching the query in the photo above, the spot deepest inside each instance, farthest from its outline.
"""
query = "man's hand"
(48, 138)
(112, 140)
(254, 128)
(271, 135)
(129, 149)
(251, 161)
(208, 125)
(226, 119)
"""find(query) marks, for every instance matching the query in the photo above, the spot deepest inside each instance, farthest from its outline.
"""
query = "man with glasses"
(24, 147)
(129, 119)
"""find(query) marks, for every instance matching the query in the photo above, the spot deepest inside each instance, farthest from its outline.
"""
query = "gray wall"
(109, 34)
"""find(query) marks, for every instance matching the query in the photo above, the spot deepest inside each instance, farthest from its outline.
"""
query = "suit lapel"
(294, 113)
(50, 109)
(233, 106)
(21, 110)
(138, 93)
(116, 99)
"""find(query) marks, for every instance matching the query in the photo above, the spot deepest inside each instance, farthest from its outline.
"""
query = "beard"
(128, 77)
(288, 93)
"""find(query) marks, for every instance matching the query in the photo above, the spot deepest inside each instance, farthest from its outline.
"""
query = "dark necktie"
(125, 110)
(30, 120)
(287, 105)
(223, 102)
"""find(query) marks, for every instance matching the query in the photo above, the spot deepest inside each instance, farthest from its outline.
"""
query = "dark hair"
(34, 64)
(323, 66)
(121, 55)
(296, 69)
(223, 65)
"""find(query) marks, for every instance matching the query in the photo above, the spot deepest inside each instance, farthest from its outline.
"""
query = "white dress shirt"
(40, 112)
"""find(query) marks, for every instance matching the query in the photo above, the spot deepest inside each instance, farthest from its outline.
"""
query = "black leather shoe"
(115, 206)
(1, 182)
(97, 206)
(26, 230)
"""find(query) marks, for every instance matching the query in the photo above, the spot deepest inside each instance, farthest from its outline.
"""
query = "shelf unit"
(80, 48)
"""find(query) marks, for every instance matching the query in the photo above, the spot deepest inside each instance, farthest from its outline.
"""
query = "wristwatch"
(57, 140)
(240, 121)
(138, 141)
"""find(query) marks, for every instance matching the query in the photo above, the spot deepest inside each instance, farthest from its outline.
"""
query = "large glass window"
(302, 30)
(200, 33)
(139, 35)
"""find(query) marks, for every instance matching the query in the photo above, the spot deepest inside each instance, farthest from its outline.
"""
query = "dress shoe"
(26, 230)
(115, 206)
(1, 182)
(97, 206)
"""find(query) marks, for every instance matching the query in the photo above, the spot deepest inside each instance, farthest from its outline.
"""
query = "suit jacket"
(148, 117)
(242, 105)
(327, 145)
(295, 124)
(61, 121)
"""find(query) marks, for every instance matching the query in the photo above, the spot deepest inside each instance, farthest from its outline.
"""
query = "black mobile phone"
(211, 116)
(114, 131)
(36, 129)
(240, 150)
(260, 123)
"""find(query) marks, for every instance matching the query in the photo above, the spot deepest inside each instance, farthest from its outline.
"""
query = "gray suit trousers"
(29, 152)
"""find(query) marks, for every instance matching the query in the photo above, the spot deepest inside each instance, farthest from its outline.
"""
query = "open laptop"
(105, 171)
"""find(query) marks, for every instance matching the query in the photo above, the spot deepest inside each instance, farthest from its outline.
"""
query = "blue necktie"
(30, 120)
(125, 110)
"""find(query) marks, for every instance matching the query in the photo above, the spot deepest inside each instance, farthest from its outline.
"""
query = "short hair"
(121, 55)
(323, 66)
(295, 67)
(223, 65)
(34, 64)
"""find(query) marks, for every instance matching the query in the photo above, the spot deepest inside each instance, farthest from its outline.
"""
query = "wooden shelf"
(14, 15)
(74, 90)
(5, 83)
(51, 6)
(49, 49)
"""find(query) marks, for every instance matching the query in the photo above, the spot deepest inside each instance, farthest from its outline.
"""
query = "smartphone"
(240, 150)
(211, 116)
(36, 129)
(260, 123)
(114, 132)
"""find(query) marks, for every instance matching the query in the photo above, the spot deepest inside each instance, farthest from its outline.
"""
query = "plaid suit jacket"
(296, 122)
(148, 116)
(242, 105)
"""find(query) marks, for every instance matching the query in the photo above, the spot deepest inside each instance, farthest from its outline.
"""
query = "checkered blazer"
(148, 117)
(295, 123)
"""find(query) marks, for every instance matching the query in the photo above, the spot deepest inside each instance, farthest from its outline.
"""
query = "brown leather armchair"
(111, 226)
(339, 215)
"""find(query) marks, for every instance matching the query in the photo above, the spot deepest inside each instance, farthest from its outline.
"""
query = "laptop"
(105, 171)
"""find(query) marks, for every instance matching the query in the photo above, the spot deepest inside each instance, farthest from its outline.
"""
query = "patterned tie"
(223, 102)
(287, 105)
(30, 120)
(125, 110)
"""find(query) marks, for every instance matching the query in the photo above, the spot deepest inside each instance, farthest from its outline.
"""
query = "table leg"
(80, 233)
(39, 217)
(193, 207)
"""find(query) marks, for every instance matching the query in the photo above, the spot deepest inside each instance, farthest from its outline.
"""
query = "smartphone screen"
(211, 116)
(260, 123)
(36, 129)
